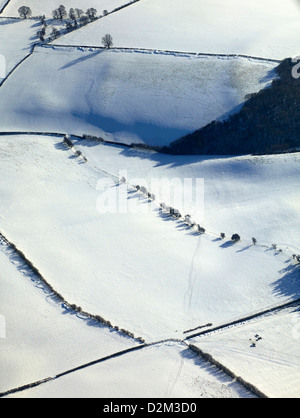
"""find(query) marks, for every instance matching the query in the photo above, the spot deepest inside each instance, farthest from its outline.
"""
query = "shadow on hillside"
(228, 244)
(269, 76)
(172, 161)
(8, 21)
(160, 159)
(61, 146)
(289, 283)
(81, 59)
(212, 370)
(36, 24)
(244, 249)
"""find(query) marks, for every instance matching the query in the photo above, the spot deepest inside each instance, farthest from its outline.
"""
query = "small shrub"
(235, 238)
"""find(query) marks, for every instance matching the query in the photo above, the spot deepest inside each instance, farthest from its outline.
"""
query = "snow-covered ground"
(162, 371)
(140, 269)
(264, 352)
(42, 338)
(2, 3)
(264, 28)
(167, 279)
(40, 8)
(16, 40)
(255, 196)
(126, 96)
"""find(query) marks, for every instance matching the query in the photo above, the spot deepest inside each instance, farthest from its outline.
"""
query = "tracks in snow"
(172, 381)
(139, 347)
(206, 357)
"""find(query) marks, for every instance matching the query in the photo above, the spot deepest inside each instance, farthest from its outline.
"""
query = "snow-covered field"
(40, 8)
(126, 96)
(166, 280)
(241, 194)
(2, 3)
(264, 352)
(141, 270)
(263, 28)
(163, 371)
(39, 328)
(16, 40)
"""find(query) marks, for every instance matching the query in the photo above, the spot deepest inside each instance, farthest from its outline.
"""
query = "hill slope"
(261, 28)
(268, 122)
(167, 279)
(126, 96)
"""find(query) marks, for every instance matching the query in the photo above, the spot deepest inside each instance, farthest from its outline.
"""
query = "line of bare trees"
(61, 13)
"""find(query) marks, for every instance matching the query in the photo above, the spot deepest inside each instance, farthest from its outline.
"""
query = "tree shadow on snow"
(228, 244)
(289, 283)
(8, 21)
(81, 59)
(244, 249)
(211, 369)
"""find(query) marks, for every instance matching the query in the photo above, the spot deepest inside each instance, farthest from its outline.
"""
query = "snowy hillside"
(263, 28)
(126, 96)
(162, 372)
(16, 40)
(265, 352)
(242, 194)
(119, 273)
(182, 288)
(167, 279)
(37, 326)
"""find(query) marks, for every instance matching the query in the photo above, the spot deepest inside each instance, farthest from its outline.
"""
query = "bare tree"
(79, 13)
(41, 34)
(107, 41)
(55, 14)
(84, 20)
(91, 13)
(55, 33)
(72, 14)
(60, 13)
(25, 12)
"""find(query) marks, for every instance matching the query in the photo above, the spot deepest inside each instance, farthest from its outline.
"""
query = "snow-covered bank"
(255, 196)
(39, 328)
(166, 280)
(162, 371)
(126, 96)
(16, 40)
(265, 352)
(263, 28)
